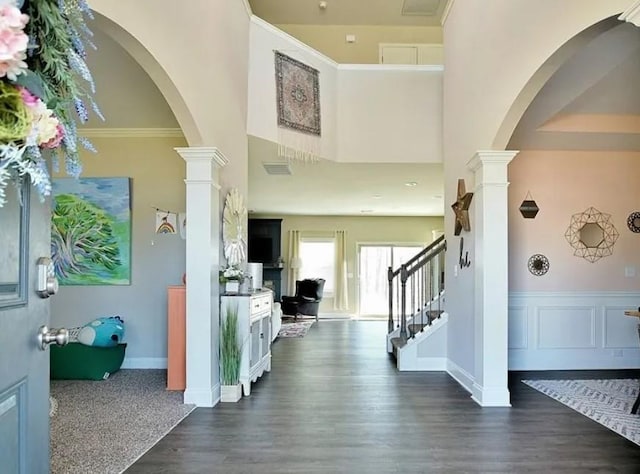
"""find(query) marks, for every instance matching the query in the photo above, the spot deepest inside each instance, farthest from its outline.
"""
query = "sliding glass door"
(373, 285)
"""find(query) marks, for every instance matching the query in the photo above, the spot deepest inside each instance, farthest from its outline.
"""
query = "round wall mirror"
(591, 235)
(234, 219)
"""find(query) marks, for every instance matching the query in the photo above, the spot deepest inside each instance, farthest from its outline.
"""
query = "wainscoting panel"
(573, 331)
(518, 327)
(566, 327)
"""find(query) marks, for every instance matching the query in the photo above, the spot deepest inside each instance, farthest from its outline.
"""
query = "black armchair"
(306, 300)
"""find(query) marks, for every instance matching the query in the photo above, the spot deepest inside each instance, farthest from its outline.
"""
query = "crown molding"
(632, 14)
(247, 8)
(131, 132)
(446, 11)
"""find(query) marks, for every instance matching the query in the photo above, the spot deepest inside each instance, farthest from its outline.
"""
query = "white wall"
(390, 114)
(262, 116)
(368, 113)
(488, 64)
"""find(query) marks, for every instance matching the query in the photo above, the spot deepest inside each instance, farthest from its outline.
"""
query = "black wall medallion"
(633, 222)
(464, 262)
(529, 209)
(538, 264)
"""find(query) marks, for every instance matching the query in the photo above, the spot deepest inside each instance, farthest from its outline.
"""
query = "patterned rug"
(297, 329)
(607, 401)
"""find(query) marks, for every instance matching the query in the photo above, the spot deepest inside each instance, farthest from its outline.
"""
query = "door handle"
(46, 336)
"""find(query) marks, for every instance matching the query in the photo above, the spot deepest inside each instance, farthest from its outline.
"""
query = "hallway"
(335, 403)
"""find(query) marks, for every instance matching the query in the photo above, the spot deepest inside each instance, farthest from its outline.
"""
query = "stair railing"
(417, 283)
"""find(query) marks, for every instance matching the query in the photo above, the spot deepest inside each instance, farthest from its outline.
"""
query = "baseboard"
(144, 363)
(203, 397)
(491, 396)
(464, 378)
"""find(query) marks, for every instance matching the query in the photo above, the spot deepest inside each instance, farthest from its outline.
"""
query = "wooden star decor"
(461, 208)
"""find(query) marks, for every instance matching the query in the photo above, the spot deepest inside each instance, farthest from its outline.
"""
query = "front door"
(24, 369)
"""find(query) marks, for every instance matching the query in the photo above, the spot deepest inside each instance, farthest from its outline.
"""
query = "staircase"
(417, 335)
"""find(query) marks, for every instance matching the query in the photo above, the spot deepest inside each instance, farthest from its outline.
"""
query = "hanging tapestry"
(298, 97)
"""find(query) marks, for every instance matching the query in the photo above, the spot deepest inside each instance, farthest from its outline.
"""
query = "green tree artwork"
(91, 231)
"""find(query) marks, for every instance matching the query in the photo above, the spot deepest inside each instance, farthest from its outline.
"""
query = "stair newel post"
(403, 301)
(390, 278)
(423, 306)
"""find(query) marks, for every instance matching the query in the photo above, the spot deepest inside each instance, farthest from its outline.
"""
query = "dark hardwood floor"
(334, 403)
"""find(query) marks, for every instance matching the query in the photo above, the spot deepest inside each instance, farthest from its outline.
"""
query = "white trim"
(144, 363)
(202, 397)
(446, 11)
(464, 378)
(574, 294)
(203, 154)
(491, 396)
(131, 132)
(247, 8)
(296, 42)
(632, 14)
(392, 67)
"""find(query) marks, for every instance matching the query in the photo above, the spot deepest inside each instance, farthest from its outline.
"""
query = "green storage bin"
(77, 361)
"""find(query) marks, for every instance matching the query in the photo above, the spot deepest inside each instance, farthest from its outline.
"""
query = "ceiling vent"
(420, 7)
(277, 168)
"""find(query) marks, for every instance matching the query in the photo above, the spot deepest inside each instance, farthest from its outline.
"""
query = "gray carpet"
(103, 427)
(606, 401)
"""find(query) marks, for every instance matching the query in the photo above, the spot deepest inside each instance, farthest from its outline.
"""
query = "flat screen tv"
(261, 250)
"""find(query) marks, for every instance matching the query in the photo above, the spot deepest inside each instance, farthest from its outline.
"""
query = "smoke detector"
(322, 5)
(277, 168)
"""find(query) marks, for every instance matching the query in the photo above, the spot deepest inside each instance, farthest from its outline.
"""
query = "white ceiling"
(602, 78)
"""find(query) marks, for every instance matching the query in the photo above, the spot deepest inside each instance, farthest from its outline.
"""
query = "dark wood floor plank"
(335, 403)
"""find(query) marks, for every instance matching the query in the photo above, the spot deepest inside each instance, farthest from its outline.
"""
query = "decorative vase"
(232, 286)
(230, 393)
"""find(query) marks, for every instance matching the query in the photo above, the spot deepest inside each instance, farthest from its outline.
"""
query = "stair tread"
(398, 342)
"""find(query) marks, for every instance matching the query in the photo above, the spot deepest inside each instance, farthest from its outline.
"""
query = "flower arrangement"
(42, 91)
(231, 273)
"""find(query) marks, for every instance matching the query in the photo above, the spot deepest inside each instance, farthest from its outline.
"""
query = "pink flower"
(12, 17)
(28, 98)
(55, 141)
(13, 41)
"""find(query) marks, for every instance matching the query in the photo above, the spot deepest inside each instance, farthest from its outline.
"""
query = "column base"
(491, 396)
(202, 397)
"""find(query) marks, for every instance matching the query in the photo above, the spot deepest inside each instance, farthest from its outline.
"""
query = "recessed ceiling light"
(377, 196)
(437, 196)
(411, 184)
(365, 211)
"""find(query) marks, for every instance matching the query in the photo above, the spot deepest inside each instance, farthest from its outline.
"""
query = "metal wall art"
(591, 234)
(461, 209)
(538, 264)
(529, 209)
(464, 262)
(633, 222)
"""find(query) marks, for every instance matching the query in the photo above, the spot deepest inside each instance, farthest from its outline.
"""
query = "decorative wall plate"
(591, 234)
(633, 222)
(234, 218)
(538, 264)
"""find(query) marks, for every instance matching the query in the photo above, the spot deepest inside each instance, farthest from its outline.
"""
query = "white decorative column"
(203, 263)
(490, 232)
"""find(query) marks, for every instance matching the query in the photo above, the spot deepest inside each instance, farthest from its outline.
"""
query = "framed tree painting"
(91, 231)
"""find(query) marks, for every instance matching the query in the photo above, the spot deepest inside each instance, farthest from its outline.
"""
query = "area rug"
(297, 329)
(105, 426)
(607, 401)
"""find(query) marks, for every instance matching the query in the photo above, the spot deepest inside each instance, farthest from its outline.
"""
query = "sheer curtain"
(341, 298)
(294, 261)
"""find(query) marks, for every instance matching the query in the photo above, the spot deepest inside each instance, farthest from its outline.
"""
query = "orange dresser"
(176, 337)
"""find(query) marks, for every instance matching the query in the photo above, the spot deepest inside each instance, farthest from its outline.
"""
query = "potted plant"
(231, 277)
(230, 354)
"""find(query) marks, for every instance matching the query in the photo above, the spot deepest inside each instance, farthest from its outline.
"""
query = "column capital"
(486, 157)
(632, 13)
(202, 153)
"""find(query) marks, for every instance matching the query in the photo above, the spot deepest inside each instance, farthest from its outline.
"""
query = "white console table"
(254, 330)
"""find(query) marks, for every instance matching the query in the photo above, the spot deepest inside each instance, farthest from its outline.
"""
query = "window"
(318, 256)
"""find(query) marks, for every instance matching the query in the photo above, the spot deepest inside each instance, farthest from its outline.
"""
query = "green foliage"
(82, 237)
(230, 348)
(14, 118)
